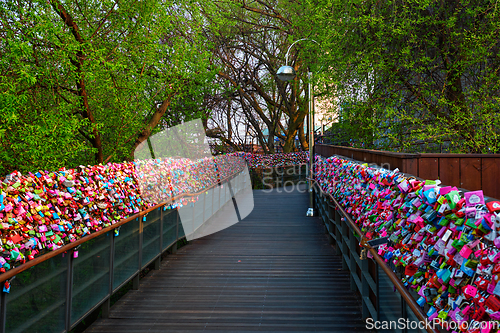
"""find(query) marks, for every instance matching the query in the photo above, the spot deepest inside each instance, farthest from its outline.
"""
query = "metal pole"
(311, 145)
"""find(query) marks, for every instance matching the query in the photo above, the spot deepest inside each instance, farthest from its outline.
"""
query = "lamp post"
(287, 73)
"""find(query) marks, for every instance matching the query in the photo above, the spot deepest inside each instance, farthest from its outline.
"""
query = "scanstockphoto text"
(287, 179)
(294, 178)
(436, 323)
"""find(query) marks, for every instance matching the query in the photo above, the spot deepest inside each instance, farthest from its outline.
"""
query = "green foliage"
(417, 75)
(81, 91)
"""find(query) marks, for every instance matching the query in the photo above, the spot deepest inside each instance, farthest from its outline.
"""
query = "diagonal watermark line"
(234, 201)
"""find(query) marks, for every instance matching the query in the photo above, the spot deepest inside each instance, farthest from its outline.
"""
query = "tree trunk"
(81, 90)
(302, 138)
(153, 121)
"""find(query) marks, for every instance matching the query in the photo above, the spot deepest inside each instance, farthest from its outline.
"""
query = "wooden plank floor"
(272, 272)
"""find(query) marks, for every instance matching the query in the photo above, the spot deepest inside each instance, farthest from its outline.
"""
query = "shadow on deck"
(273, 272)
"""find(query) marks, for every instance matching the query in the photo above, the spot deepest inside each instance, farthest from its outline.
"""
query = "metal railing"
(372, 278)
(55, 291)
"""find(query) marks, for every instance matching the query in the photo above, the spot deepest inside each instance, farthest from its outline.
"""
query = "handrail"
(280, 166)
(371, 151)
(16, 270)
(408, 298)
(408, 155)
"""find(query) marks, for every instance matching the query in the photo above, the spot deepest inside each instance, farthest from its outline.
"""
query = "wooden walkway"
(272, 272)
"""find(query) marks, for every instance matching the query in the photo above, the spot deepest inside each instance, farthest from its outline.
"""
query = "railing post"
(404, 314)
(69, 290)
(174, 247)
(3, 311)
(352, 257)
(135, 281)
(194, 214)
(377, 291)
(162, 216)
(365, 289)
(160, 247)
(345, 248)
(204, 199)
(105, 307)
(282, 177)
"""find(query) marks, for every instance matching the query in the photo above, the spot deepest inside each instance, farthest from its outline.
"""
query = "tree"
(415, 75)
(249, 50)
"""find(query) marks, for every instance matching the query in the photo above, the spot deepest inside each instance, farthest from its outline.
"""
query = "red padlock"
(482, 283)
(451, 262)
(479, 313)
(493, 206)
(493, 303)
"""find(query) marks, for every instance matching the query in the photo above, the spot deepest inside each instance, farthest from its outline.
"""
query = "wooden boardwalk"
(272, 272)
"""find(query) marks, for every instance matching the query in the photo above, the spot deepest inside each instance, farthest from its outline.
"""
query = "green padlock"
(453, 198)
(443, 314)
(471, 263)
(457, 244)
(464, 238)
(471, 223)
(444, 222)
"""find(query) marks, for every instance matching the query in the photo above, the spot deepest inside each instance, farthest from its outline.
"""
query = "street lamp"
(287, 73)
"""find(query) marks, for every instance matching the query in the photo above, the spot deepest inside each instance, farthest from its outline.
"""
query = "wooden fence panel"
(449, 170)
(428, 168)
(490, 180)
(467, 171)
(470, 173)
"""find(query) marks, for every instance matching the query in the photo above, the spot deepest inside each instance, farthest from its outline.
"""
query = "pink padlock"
(441, 232)
(470, 212)
(474, 198)
(495, 315)
(445, 190)
(491, 288)
(497, 242)
(465, 251)
(470, 291)
(433, 316)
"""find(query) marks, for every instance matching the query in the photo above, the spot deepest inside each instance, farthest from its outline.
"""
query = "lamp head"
(286, 73)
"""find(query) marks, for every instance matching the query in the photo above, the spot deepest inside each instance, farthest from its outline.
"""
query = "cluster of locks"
(446, 243)
(43, 211)
(161, 180)
(273, 160)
